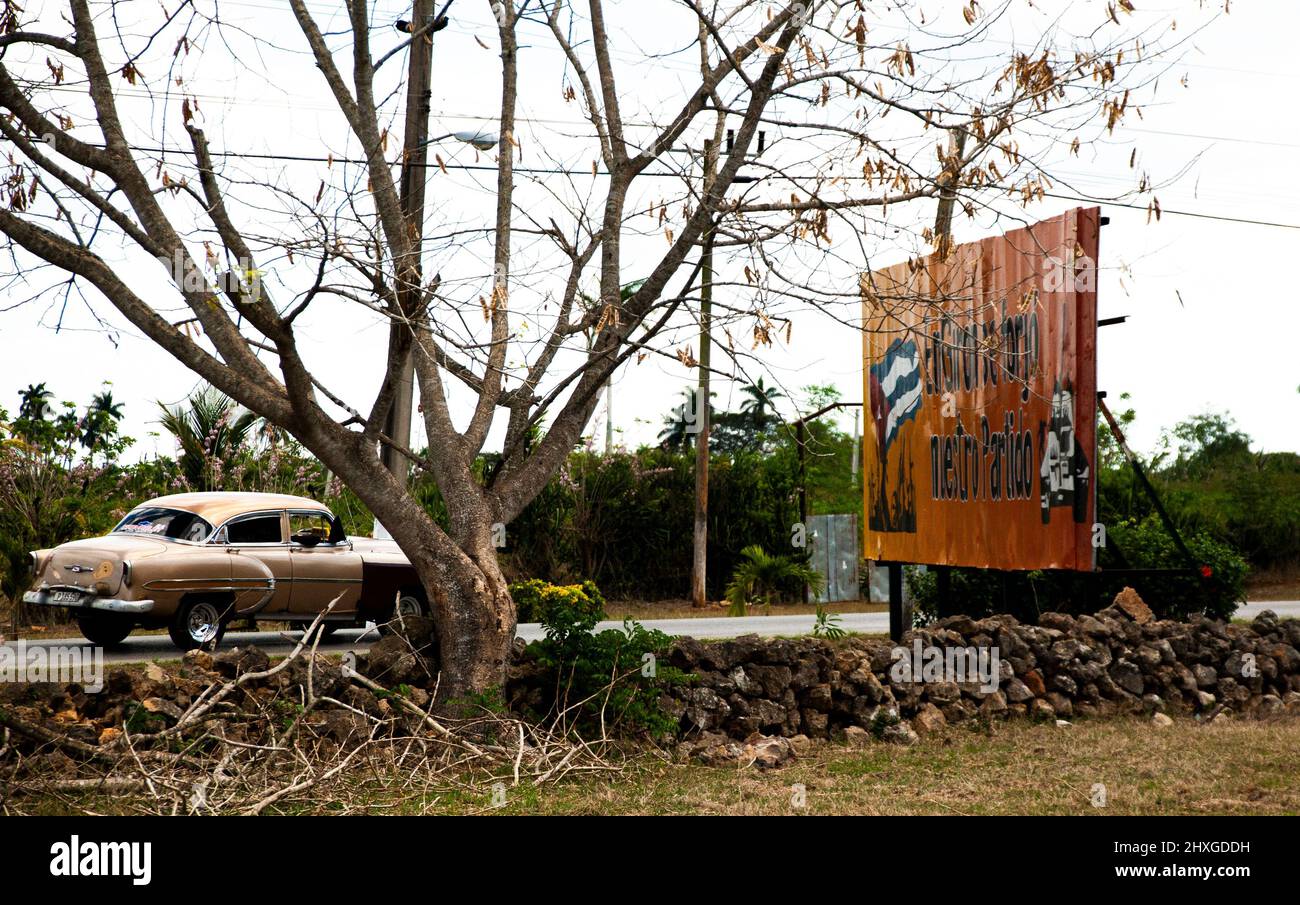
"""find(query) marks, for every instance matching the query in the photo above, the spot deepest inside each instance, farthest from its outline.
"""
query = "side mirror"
(306, 538)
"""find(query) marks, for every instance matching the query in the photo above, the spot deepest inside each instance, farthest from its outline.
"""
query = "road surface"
(143, 648)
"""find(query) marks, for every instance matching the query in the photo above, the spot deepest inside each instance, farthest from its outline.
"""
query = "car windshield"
(158, 521)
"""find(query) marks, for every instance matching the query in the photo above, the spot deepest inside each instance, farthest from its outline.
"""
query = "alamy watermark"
(55, 663)
(75, 858)
(1076, 273)
(929, 663)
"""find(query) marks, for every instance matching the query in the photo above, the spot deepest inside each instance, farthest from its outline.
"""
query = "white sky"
(1212, 312)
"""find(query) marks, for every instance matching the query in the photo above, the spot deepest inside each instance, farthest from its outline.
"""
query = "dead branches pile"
(235, 734)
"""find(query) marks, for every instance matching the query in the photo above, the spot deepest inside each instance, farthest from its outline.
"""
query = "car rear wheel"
(199, 622)
(104, 630)
(409, 606)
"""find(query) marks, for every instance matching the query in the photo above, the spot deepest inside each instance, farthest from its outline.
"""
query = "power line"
(312, 102)
(1235, 139)
(595, 172)
(558, 171)
(1165, 210)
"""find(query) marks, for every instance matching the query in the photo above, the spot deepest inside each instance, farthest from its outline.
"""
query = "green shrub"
(1214, 586)
(827, 625)
(613, 679)
(1216, 591)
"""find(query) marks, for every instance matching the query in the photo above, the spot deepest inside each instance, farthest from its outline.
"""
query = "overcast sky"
(1213, 314)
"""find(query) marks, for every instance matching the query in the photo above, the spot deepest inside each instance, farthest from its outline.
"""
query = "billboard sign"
(979, 375)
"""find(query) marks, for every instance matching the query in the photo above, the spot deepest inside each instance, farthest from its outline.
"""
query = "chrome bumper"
(90, 602)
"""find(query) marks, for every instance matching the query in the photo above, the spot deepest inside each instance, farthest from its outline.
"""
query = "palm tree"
(759, 402)
(212, 428)
(761, 576)
(677, 434)
(100, 423)
(34, 411)
(35, 404)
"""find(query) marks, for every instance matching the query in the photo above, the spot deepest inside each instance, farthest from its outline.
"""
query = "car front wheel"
(325, 629)
(104, 630)
(199, 622)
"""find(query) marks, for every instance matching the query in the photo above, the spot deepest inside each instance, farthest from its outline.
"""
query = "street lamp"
(483, 141)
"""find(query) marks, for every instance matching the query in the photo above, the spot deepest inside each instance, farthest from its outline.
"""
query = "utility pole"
(948, 183)
(609, 415)
(415, 155)
(699, 594)
(857, 440)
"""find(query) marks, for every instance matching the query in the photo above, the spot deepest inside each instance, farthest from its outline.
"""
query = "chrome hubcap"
(203, 622)
(409, 606)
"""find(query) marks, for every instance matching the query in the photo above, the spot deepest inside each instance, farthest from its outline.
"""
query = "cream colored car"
(192, 562)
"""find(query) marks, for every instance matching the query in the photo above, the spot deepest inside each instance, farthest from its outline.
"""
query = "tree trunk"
(474, 617)
(469, 601)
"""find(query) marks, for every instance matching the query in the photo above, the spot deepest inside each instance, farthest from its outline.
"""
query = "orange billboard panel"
(979, 380)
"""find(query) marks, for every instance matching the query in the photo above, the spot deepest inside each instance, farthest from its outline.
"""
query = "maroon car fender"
(381, 579)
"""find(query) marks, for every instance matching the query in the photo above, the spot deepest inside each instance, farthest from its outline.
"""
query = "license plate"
(65, 597)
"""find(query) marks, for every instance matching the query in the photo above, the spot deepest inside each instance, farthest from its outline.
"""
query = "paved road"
(142, 648)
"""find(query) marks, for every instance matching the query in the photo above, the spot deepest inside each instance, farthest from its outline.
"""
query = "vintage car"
(192, 562)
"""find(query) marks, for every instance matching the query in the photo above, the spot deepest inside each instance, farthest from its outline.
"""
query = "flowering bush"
(577, 605)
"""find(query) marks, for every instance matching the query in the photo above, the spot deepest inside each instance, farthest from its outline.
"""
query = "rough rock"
(1040, 709)
(1131, 605)
(1118, 661)
(768, 752)
(900, 733)
(1034, 682)
(929, 719)
(855, 737)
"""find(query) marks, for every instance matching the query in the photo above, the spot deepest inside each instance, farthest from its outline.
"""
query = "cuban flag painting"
(895, 390)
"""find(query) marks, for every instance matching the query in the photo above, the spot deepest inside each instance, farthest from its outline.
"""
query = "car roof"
(219, 506)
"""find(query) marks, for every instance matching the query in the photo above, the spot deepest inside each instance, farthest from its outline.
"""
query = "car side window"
(260, 529)
(308, 525)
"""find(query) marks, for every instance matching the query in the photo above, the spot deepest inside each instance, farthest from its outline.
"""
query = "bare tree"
(864, 111)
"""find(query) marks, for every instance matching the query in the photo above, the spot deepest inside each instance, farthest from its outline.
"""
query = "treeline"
(624, 519)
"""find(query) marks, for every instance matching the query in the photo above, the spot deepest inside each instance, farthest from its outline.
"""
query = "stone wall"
(1119, 661)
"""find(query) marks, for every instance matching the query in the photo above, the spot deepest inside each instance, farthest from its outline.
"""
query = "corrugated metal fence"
(836, 550)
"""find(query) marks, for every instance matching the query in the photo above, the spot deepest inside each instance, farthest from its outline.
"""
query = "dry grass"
(1010, 768)
(1007, 768)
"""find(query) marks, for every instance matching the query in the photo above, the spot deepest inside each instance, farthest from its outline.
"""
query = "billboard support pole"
(943, 587)
(1145, 481)
(895, 601)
